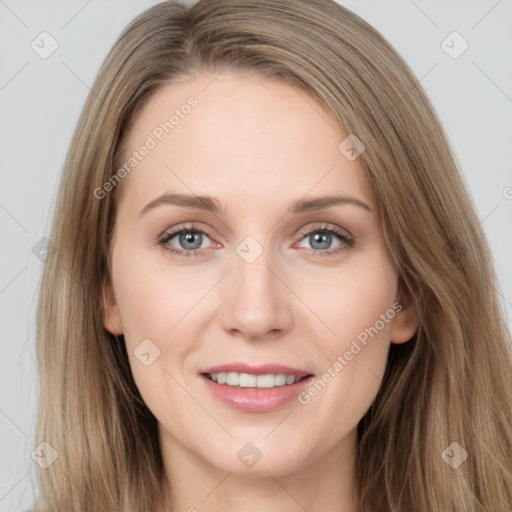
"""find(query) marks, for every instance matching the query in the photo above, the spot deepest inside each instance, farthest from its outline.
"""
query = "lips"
(236, 385)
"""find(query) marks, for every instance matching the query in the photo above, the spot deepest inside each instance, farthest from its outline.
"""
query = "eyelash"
(346, 241)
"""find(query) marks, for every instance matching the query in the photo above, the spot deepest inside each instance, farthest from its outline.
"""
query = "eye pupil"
(323, 239)
(189, 237)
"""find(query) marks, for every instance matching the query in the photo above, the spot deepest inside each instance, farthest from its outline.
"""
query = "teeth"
(246, 380)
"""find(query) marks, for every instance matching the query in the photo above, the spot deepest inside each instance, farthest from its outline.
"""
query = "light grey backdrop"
(42, 93)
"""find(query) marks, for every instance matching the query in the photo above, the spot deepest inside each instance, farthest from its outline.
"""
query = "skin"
(257, 146)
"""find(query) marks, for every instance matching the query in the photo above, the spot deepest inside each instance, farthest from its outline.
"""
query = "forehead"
(212, 135)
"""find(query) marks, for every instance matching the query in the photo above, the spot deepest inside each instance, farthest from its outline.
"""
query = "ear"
(111, 316)
(406, 321)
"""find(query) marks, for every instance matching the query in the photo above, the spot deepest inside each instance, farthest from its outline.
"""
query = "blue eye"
(189, 237)
(320, 240)
(190, 241)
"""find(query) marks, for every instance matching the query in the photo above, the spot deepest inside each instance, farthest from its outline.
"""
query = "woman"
(367, 371)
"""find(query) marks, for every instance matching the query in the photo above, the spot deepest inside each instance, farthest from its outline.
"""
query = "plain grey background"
(42, 95)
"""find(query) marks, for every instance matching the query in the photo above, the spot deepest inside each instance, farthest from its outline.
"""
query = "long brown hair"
(451, 383)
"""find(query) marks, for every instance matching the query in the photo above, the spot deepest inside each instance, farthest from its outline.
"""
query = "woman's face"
(266, 271)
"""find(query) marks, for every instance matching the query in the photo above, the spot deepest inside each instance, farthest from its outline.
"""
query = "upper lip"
(260, 369)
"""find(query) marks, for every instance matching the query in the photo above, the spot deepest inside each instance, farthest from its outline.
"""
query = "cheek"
(158, 305)
(350, 302)
(357, 305)
(153, 298)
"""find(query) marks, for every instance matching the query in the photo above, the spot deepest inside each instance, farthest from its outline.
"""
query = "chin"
(258, 458)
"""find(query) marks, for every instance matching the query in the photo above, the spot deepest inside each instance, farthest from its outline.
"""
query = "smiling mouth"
(246, 380)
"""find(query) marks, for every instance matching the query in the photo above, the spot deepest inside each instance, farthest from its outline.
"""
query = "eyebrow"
(211, 204)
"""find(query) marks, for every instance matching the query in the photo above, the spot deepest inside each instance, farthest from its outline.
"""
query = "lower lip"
(256, 399)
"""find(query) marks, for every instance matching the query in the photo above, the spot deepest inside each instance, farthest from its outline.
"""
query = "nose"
(256, 302)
